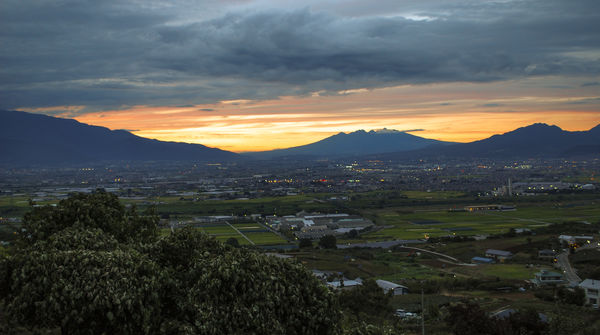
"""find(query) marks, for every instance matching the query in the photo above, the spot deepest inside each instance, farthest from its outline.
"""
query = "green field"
(286, 205)
(266, 238)
(501, 271)
(405, 224)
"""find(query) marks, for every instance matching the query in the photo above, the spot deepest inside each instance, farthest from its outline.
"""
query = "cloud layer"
(109, 54)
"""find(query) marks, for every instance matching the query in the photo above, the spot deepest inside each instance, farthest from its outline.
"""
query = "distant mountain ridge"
(356, 143)
(29, 139)
(34, 139)
(533, 141)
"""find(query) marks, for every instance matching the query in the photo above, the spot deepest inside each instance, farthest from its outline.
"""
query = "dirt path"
(239, 232)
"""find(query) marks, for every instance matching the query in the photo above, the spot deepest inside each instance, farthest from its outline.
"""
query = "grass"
(436, 195)
(403, 224)
(270, 205)
(266, 238)
(501, 271)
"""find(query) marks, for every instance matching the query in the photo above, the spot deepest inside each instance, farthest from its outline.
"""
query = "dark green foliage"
(232, 241)
(89, 266)
(576, 296)
(525, 322)
(328, 242)
(183, 248)
(469, 319)
(570, 296)
(305, 243)
(248, 293)
(366, 300)
(85, 290)
(78, 238)
(99, 209)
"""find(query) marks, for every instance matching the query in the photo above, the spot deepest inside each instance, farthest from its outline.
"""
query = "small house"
(592, 291)
(548, 278)
(546, 254)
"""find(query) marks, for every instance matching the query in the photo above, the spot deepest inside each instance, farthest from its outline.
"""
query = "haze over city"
(259, 75)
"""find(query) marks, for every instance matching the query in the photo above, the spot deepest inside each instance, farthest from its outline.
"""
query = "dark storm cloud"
(111, 53)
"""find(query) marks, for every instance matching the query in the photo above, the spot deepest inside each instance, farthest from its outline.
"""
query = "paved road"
(570, 274)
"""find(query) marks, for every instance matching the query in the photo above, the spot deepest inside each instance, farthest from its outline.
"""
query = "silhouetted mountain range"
(27, 139)
(33, 139)
(534, 141)
(358, 143)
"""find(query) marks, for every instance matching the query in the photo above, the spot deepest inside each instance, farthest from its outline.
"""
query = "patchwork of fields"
(419, 224)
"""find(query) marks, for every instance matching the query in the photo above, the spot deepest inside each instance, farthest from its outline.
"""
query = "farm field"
(271, 205)
(418, 224)
(266, 238)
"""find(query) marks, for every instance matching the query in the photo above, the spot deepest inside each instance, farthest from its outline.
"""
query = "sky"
(250, 75)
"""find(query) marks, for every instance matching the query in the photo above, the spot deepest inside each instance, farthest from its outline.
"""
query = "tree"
(232, 241)
(95, 210)
(82, 270)
(524, 322)
(353, 233)
(575, 296)
(80, 280)
(367, 299)
(305, 243)
(469, 319)
(249, 293)
(328, 242)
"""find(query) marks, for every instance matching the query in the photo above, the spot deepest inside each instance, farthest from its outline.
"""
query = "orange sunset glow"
(449, 112)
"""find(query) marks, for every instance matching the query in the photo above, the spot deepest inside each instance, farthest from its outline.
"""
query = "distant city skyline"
(263, 74)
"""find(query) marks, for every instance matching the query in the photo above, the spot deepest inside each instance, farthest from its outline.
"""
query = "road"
(570, 274)
(384, 244)
(444, 256)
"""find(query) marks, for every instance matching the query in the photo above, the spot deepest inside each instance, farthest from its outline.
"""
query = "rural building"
(546, 254)
(388, 286)
(344, 284)
(323, 275)
(592, 291)
(499, 255)
(548, 278)
(568, 239)
(316, 225)
(482, 260)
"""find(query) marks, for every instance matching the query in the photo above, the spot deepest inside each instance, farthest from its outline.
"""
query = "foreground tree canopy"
(89, 265)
